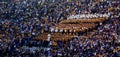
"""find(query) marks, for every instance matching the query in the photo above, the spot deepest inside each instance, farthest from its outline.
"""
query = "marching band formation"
(72, 27)
(88, 16)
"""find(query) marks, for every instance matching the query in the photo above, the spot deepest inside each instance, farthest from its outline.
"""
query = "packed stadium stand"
(59, 28)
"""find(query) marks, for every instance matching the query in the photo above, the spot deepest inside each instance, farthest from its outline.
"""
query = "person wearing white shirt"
(70, 30)
(101, 15)
(52, 30)
(65, 30)
(83, 16)
(74, 30)
(49, 35)
(90, 16)
(61, 30)
(56, 30)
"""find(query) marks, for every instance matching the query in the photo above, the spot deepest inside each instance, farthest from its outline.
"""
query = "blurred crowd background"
(22, 20)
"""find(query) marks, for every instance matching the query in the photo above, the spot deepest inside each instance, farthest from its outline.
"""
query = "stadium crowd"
(22, 20)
